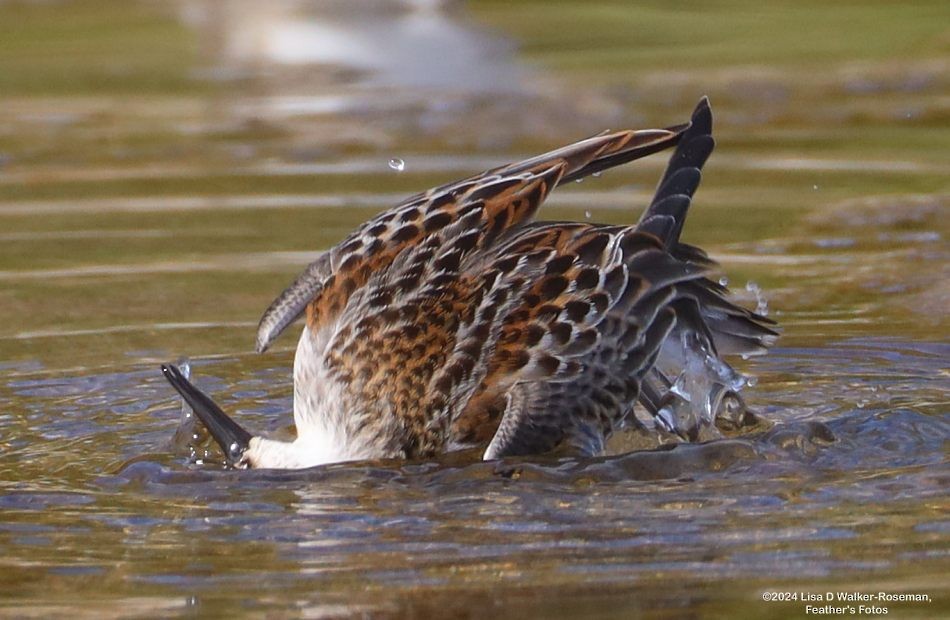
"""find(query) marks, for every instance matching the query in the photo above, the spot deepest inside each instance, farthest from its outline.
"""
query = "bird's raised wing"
(506, 197)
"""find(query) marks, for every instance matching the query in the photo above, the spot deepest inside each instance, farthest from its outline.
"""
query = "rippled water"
(172, 241)
(849, 487)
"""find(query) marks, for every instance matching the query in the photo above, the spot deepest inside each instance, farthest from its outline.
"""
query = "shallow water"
(136, 231)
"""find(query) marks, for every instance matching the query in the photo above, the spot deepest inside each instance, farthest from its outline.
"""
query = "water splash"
(695, 397)
(187, 414)
(723, 281)
(761, 303)
(397, 164)
(588, 215)
(190, 438)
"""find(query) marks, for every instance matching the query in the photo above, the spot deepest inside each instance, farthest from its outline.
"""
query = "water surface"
(160, 184)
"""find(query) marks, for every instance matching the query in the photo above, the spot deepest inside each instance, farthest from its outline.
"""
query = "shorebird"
(454, 320)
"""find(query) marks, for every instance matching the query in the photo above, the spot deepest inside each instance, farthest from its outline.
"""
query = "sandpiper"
(454, 320)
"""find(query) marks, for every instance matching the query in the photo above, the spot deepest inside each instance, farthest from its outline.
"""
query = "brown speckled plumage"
(455, 320)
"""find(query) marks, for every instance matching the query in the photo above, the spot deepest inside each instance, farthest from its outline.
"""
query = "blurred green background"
(246, 132)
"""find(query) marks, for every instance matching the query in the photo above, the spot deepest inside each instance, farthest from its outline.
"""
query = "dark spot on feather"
(443, 383)
(549, 364)
(351, 262)
(584, 340)
(456, 371)
(576, 310)
(351, 246)
(534, 198)
(374, 246)
(507, 264)
(561, 332)
(559, 264)
(553, 286)
(572, 367)
(406, 233)
(601, 302)
(511, 335)
(533, 334)
(449, 262)
(440, 201)
(377, 229)
(499, 297)
(498, 224)
(518, 316)
(548, 311)
(481, 332)
(520, 360)
(437, 221)
(442, 280)
(531, 300)
(408, 282)
(467, 241)
(382, 298)
(471, 209)
(587, 278)
(591, 251)
(409, 215)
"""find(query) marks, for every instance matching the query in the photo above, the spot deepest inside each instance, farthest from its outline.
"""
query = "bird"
(456, 320)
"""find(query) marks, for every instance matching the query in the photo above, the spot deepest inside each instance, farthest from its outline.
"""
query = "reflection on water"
(138, 229)
(393, 53)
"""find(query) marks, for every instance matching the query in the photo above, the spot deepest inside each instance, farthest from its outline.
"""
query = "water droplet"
(751, 381)
(745, 356)
(724, 281)
(751, 286)
(588, 214)
(814, 187)
(578, 180)
(597, 174)
(397, 164)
